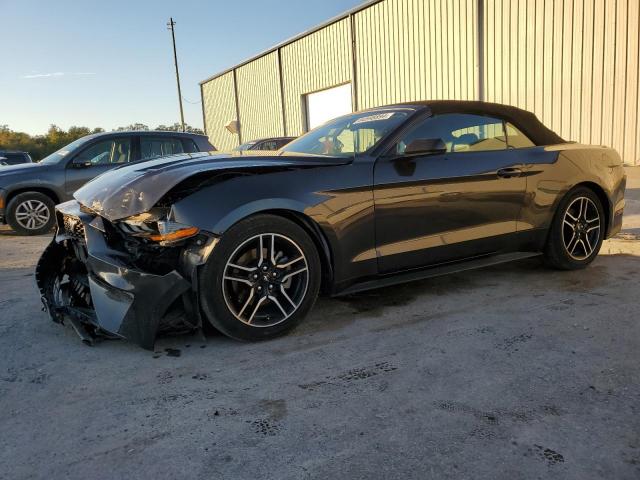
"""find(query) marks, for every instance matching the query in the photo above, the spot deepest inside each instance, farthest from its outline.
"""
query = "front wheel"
(31, 213)
(261, 280)
(577, 231)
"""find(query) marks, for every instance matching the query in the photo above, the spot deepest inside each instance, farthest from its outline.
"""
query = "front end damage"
(110, 282)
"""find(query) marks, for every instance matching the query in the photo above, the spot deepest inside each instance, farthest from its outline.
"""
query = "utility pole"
(170, 25)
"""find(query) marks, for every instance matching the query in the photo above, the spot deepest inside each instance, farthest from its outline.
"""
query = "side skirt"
(444, 269)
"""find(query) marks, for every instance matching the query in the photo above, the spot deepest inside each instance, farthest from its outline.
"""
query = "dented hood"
(137, 187)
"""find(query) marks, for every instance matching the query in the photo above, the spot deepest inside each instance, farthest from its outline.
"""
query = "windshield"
(349, 135)
(55, 157)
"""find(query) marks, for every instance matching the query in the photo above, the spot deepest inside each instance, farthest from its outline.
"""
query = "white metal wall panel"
(572, 62)
(219, 104)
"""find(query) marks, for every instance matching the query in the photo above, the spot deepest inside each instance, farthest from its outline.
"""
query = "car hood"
(136, 188)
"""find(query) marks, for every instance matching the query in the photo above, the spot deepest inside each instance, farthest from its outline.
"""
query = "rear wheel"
(577, 231)
(31, 213)
(261, 279)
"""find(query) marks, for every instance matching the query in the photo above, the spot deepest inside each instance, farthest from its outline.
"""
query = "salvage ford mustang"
(392, 194)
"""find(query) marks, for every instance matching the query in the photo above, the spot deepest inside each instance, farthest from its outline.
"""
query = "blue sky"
(109, 63)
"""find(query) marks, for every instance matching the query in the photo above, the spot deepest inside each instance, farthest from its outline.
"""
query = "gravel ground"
(513, 371)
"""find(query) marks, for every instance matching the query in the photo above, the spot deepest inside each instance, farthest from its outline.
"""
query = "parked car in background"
(378, 197)
(275, 143)
(29, 192)
(8, 157)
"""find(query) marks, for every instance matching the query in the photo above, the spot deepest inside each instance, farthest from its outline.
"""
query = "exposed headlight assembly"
(155, 226)
(169, 232)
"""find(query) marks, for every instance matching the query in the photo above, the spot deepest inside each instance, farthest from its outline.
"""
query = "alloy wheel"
(581, 228)
(32, 214)
(265, 280)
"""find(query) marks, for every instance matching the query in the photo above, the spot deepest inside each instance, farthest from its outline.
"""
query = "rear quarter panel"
(565, 167)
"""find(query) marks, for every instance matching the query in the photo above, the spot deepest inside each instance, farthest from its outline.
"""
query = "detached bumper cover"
(82, 279)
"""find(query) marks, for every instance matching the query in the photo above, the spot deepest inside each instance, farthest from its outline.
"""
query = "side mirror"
(80, 164)
(426, 146)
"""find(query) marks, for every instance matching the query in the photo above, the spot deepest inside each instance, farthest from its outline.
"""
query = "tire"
(31, 213)
(241, 290)
(576, 234)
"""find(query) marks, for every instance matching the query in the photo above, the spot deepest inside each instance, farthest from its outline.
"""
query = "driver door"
(95, 159)
(463, 202)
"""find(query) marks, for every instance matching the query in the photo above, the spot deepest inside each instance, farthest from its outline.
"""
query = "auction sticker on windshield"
(375, 118)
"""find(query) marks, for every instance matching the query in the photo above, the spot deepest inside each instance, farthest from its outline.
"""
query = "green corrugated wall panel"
(318, 61)
(259, 98)
(219, 104)
(416, 50)
(575, 64)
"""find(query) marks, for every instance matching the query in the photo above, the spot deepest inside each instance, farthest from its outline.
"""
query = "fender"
(49, 189)
(35, 184)
(285, 207)
(344, 214)
(217, 221)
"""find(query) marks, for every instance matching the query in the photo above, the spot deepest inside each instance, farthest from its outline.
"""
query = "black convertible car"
(382, 196)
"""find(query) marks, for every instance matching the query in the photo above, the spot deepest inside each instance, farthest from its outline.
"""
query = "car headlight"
(173, 232)
(155, 227)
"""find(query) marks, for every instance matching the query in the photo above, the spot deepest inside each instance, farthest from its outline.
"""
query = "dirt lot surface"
(509, 372)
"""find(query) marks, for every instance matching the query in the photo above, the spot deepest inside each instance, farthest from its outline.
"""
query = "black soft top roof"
(526, 121)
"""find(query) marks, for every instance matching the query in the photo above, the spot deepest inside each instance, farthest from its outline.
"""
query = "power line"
(193, 103)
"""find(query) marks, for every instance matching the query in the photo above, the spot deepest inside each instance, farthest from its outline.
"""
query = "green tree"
(134, 127)
(176, 127)
(39, 146)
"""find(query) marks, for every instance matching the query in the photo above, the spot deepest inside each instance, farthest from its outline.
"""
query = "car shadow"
(390, 308)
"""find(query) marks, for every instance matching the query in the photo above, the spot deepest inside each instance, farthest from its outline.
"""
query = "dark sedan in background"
(378, 197)
(266, 144)
(13, 157)
(29, 192)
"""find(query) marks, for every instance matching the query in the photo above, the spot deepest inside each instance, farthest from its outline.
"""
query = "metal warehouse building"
(572, 62)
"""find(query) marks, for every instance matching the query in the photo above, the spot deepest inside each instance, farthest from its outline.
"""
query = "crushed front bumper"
(82, 278)
(3, 205)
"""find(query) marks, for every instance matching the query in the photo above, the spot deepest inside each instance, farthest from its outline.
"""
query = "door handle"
(509, 172)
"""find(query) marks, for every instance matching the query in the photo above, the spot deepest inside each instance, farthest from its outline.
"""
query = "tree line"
(39, 146)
